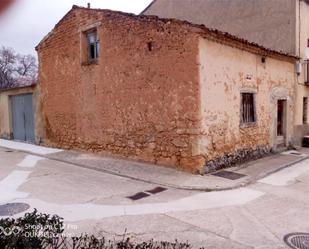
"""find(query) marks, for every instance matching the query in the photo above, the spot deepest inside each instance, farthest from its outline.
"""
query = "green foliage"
(42, 231)
(31, 231)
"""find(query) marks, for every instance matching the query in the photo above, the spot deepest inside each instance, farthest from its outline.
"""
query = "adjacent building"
(163, 91)
(281, 25)
(20, 117)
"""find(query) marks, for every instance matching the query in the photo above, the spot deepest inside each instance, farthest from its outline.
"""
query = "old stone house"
(281, 25)
(162, 90)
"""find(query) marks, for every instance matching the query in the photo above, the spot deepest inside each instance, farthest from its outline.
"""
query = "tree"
(16, 69)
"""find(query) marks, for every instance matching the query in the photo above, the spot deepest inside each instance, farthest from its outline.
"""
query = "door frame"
(281, 140)
(11, 115)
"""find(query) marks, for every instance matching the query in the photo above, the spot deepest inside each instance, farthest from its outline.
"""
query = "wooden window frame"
(95, 44)
(245, 123)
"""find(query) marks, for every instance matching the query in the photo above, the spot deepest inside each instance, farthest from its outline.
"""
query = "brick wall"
(134, 102)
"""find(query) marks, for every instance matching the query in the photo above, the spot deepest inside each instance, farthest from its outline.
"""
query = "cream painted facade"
(225, 73)
(302, 37)
(281, 25)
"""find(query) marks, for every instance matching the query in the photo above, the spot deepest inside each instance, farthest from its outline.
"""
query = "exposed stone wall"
(237, 157)
(225, 73)
(134, 102)
(160, 92)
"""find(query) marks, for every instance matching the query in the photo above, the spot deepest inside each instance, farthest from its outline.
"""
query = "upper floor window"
(306, 71)
(305, 110)
(93, 45)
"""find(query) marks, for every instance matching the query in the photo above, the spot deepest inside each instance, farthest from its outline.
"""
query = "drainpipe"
(299, 26)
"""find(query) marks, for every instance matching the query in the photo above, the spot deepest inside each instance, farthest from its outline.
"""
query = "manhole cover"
(8, 151)
(297, 240)
(10, 209)
(228, 175)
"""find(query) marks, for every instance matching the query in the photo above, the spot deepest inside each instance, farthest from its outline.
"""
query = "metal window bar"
(305, 110)
(248, 115)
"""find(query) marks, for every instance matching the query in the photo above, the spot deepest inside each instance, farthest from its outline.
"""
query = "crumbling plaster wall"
(134, 102)
(225, 72)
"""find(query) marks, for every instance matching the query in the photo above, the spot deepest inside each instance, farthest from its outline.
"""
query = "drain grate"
(228, 175)
(295, 153)
(156, 190)
(10, 209)
(138, 196)
(292, 152)
(146, 193)
(297, 240)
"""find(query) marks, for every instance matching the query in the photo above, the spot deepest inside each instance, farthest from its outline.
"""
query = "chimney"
(88, 5)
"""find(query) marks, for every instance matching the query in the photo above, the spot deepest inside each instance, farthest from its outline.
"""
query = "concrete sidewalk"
(222, 180)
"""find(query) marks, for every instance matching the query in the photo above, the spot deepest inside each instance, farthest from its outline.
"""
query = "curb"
(245, 183)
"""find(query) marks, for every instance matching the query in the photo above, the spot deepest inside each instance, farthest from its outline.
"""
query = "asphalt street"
(255, 216)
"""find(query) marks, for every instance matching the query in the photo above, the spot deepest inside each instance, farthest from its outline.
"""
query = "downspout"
(301, 62)
(299, 27)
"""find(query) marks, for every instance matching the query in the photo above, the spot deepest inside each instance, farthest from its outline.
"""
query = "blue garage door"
(23, 117)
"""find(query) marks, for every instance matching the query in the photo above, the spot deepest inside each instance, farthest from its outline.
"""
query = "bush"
(31, 231)
(42, 231)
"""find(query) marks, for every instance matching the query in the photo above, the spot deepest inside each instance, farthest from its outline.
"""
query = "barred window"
(248, 108)
(306, 71)
(305, 110)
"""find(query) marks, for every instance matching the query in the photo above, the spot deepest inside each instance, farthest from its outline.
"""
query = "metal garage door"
(23, 117)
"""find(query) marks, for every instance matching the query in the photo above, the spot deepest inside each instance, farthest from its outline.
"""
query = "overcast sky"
(26, 22)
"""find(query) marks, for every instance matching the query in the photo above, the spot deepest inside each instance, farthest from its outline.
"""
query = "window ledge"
(248, 125)
(92, 62)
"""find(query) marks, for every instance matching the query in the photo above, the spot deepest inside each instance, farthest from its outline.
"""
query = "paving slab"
(280, 216)
(164, 176)
(54, 181)
(94, 200)
(9, 159)
(159, 227)
(156, 174)
(238, 226)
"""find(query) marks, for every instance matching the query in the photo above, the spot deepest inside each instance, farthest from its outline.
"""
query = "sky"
(24, 24)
